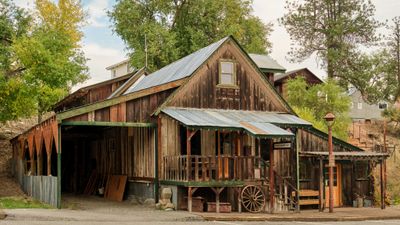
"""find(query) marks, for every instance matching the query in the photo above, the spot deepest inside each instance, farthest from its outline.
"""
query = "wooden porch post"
(271, 177)
(219, 155)
(321, 186)
(190, 199)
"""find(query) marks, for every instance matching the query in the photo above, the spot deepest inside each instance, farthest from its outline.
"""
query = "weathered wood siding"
(127, 151)
(136, 110)
(170, 140)
(314, 143)
(139, 110)
(252, 92)
(42, 188)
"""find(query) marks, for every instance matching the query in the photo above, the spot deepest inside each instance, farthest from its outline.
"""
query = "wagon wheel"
(253, 198)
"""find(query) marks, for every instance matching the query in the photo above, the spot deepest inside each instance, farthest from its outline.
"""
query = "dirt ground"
(9, 187)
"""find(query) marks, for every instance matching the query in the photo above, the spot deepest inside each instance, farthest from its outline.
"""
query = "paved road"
(31, 216)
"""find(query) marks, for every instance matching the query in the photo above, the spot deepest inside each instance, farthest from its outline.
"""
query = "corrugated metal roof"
(347, 154)
(266, 62)
(178, 69)
(265, 129)
(249, 120)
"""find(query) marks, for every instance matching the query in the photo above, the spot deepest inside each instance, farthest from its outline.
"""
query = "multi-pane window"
(227, 73)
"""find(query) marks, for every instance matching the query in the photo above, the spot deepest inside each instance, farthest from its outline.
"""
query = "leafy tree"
(312, 103)
(175, 28)
(42, 58)
(333, 30)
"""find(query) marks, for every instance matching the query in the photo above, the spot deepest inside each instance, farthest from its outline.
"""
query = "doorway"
(337, 185)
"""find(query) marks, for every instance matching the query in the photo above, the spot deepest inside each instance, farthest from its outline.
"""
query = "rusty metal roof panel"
(265, 129)
(177, 70)
(255, 122)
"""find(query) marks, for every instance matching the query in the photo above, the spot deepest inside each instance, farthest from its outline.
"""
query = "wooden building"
(281, 79)
(210, 126)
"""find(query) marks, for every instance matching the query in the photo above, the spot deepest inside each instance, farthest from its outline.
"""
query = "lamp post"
(329, 119)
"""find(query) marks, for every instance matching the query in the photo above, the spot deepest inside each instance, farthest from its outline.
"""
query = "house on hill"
(210, 127)
(281, 79)
(360, 110)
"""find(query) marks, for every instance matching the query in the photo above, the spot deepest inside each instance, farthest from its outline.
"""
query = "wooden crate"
(224, 207)
(197, 204)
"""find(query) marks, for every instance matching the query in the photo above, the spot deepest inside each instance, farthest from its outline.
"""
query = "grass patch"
(21, 203)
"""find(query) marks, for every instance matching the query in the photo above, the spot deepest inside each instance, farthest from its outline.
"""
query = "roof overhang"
(256, 123)
(353, 155)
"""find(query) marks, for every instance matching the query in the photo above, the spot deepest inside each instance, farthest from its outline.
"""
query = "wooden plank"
(115, 187)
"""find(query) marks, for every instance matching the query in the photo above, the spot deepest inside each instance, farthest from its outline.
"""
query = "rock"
(166, 193)
(149, 202)
(169, 206)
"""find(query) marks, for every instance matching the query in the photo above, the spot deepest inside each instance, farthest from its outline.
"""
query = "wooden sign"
(283, 145)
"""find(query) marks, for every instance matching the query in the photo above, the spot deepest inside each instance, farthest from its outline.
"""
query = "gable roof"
(84, 90)
(265, 62)
(174, 75)
(292, 73)
(135, 77)
(177, 70)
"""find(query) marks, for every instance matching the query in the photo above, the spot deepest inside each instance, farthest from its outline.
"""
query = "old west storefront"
(209, 125)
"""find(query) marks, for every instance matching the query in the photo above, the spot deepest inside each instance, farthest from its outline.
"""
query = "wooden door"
(337, 185)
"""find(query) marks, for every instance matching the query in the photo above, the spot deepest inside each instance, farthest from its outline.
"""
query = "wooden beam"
(107, 124)
(59, 168)
(321, 186)
(271, 176)
(113, 101)
(382, 185)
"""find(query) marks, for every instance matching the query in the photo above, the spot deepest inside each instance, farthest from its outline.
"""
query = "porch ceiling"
(256, 123)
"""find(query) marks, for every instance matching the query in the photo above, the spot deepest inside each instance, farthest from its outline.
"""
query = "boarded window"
(227, 73)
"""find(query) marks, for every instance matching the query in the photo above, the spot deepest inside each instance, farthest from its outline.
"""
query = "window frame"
(234, 84)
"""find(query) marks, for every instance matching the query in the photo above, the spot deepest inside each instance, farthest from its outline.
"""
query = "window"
(382, 105)
(359, 105)
(351, 105)
(227, 74)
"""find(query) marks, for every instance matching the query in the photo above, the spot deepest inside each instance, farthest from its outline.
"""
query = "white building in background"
(361, 110)
(120, 68)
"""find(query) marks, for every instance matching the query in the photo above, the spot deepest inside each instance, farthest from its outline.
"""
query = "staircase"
(284, 189)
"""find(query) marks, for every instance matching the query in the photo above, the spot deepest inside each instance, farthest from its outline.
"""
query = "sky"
(103, 48)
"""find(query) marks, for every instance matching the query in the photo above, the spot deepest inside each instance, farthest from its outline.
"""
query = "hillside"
(370, 136)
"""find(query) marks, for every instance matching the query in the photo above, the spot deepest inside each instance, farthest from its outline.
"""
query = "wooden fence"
(42, 188)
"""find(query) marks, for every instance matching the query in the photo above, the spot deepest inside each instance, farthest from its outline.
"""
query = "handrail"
(211, 167)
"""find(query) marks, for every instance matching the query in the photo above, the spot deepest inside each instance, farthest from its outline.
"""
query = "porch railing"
(207, 168)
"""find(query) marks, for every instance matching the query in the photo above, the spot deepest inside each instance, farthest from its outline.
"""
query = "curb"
(301, 219)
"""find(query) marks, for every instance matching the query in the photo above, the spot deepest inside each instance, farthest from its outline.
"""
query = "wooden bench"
(307, 197)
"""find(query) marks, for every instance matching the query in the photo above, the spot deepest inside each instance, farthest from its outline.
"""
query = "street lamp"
(329, 120)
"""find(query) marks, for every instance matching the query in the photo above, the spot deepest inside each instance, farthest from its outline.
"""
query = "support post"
(331, 165)
(219, 155)
(239, 200)
(59, 168)
(321, 186)
(156, 166)
(49, 164)
(190, 199)
(298, 149)
(189, 135)
(271, 177)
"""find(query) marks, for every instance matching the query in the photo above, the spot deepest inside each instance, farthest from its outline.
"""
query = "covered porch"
(229, 152)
